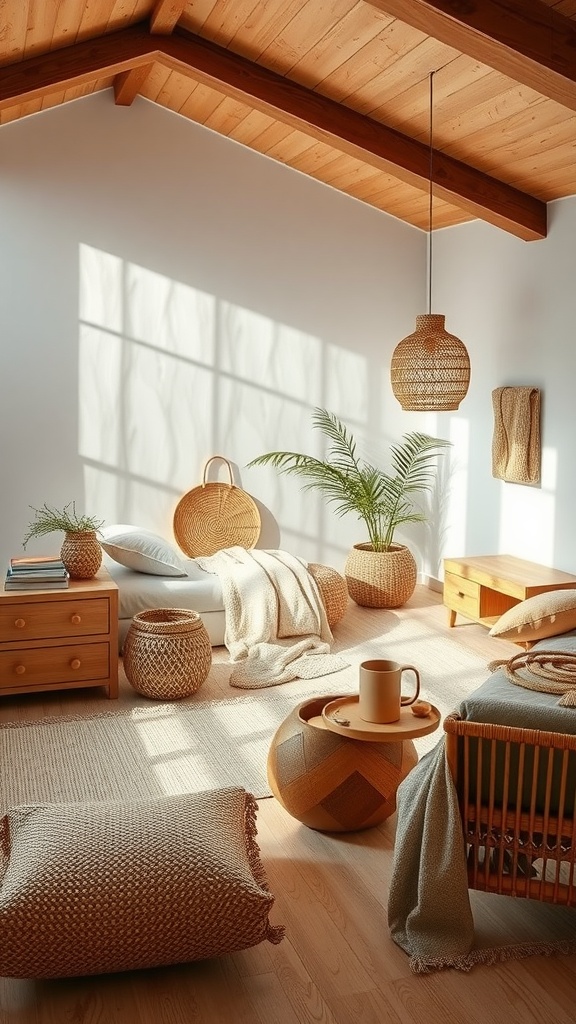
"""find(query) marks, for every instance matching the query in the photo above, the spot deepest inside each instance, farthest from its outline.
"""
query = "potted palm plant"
(379, 572)
(80, 552)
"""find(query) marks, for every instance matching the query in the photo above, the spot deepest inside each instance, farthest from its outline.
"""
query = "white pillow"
(141, 550)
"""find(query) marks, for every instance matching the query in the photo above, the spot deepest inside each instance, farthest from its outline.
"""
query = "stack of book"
(42, 573)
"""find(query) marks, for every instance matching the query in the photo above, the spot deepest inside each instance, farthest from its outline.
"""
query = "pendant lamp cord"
(430, 202)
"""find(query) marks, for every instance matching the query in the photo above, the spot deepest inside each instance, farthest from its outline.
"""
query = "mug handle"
(405, 701)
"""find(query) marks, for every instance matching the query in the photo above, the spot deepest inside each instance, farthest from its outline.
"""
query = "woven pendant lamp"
(430, 369)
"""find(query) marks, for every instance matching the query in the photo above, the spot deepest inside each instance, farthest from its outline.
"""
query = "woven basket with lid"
(167, 653)
(216, 515)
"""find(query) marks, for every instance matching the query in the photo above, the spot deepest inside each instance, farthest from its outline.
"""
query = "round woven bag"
(380, 579)
(167, 653)
(215, 516)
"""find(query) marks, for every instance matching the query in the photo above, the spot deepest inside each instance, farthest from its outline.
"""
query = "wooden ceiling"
(337, 89)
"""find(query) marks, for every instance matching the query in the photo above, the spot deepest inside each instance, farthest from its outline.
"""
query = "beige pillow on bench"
(98, 887)
(538, 617)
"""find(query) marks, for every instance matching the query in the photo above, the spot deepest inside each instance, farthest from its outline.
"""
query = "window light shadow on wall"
(170, 375)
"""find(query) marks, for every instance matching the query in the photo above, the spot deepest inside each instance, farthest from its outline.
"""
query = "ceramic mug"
(380, 690)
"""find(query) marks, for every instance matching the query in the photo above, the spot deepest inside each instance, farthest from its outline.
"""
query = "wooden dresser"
(60, 639)
(484, 587)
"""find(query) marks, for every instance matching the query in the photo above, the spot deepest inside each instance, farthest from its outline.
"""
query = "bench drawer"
(462, 595)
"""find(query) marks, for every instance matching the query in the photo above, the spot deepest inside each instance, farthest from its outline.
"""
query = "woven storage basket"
(81, 554)
(215, 516)
(380, 579)
(333, 591)
(167, 653)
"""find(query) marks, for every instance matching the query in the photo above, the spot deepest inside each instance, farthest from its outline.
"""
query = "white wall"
(514, 305)
(166, 295)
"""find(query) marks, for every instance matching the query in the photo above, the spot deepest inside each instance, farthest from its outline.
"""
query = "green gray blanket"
(429, 912)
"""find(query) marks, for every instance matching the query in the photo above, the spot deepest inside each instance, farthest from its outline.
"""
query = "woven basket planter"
(333, 591)
(167, 653)
(81, 554)
(380, 579)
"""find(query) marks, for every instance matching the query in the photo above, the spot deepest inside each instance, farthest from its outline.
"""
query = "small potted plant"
(379, 573)
(80, 552)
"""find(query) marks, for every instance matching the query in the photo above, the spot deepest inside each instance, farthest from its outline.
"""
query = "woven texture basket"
(333, 591)
(380, 579)
(81, 554)
(214, 516)
(167, 653)
(430, 369)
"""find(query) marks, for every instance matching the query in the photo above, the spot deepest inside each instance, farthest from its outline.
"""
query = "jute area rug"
(153, 748)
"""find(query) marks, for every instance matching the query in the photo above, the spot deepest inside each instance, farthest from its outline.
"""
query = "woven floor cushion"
(102, 887)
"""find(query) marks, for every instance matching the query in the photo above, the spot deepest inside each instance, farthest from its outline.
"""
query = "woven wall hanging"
(516, 439)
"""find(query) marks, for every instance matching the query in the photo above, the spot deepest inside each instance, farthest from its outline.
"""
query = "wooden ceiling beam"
(128, 84)
(352, 133)
(75, 65)
(523, 39)
(165, 16)
(323, 119)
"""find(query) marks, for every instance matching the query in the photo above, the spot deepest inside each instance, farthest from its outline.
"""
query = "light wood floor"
(337, 964)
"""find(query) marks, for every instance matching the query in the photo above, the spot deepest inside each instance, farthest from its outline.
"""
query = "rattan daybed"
(519, 824)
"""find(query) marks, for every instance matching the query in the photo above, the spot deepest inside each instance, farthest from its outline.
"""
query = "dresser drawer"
(69, 663)
(44, 620)
(462, 595)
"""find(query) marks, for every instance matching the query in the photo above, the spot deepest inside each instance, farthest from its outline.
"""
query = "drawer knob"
(20, 670)
(20, 623)
(76, 619)
(75, 663)
(460, 594)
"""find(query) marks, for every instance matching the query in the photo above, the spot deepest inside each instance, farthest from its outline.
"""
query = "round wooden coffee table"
(342, 778)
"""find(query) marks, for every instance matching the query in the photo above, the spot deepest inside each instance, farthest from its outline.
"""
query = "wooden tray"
(406, 728)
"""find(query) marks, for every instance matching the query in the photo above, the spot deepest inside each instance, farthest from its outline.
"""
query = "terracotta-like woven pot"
(380, 579)
(81, 554)
(167, 653)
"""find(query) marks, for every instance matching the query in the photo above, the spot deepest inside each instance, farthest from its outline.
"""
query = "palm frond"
(352, 485)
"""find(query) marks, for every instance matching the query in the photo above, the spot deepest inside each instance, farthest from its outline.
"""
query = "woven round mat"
(213, 516)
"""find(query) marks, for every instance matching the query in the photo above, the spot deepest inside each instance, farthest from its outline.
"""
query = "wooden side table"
(60, 639)
(484, 587)
(336, 778)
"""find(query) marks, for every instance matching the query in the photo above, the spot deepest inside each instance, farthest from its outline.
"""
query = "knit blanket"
(516, 438)
(276, 625)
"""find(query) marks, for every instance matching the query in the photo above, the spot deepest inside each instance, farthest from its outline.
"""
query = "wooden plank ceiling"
(337, 89)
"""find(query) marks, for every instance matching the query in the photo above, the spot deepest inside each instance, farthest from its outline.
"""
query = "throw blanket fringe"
(489, 957)
(516, 438)
(276, 625)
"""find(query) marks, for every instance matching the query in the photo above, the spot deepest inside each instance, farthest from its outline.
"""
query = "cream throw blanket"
(276, 625)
